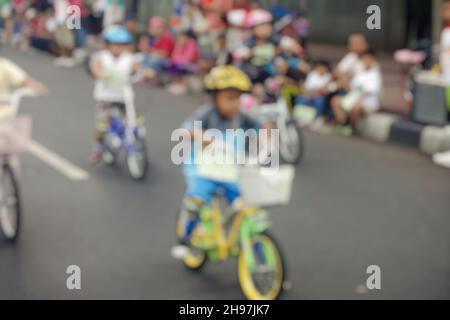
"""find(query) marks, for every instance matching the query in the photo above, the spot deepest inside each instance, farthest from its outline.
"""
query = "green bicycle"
(245, 235)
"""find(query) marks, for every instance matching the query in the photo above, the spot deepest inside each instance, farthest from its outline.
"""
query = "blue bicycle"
(127, 136)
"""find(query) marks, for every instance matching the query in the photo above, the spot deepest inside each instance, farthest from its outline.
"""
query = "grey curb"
(435, 139)
(379, 127)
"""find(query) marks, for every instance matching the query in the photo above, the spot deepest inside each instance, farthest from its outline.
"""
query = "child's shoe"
(442, 159)
(345, 131)
(96, 155)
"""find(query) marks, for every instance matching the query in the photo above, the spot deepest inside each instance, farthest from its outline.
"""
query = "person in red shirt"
(157, 47)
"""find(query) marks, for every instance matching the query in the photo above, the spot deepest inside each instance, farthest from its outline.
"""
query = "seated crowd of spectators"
(268, 44)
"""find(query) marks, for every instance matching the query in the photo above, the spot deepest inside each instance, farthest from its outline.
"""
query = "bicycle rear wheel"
(10, 208)
(292, 144)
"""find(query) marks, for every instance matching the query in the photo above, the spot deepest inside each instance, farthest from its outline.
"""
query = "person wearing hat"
(261, 48)
(112, 69)
(237, 19)
(225, 85)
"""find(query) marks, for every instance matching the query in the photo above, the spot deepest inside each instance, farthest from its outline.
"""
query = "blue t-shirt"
(209, 118)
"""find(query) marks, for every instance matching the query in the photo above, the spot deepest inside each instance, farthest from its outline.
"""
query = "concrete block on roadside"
(376, 126)
(435, 139)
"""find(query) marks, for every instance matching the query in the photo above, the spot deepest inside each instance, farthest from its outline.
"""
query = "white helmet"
(258, 17)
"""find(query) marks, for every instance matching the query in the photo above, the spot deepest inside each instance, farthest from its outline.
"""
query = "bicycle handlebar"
(15, 98)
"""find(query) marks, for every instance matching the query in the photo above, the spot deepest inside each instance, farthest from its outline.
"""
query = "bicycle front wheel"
(137, 161)
(10, 209)
(264, 280)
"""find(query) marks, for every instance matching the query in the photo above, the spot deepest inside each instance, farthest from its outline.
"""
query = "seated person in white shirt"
(364, 93)
(315, 89)
(351, 64)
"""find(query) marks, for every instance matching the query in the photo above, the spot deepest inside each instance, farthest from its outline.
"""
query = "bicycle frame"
(125, 131)
(277, 113)
(244, 224)
(120, 130)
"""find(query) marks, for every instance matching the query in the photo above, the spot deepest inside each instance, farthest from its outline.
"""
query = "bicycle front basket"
(267, 187)
(15, 134)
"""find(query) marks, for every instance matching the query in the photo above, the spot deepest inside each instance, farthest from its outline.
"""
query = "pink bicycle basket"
(15, 135)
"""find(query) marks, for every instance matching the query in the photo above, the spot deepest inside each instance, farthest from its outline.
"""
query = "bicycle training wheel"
(137, 161)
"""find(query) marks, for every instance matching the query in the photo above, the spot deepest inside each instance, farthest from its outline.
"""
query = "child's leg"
(200, 192)
(339, 112)
(302, 100)
(102, 121)
(356, 114)
(101, 128)
(153, 62)
(320, 105)
(233, 194)
(174, 72)
(179, 81)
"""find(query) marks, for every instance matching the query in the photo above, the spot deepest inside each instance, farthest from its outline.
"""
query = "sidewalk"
(392, 124)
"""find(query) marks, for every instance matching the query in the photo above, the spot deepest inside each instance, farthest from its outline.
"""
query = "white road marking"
(46, 155)
(57, 162)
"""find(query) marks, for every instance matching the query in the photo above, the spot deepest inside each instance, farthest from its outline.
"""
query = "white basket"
(15, 134)
(267, 187)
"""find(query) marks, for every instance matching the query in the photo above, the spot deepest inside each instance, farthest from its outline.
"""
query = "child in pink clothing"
(186, 51)
(184, 60)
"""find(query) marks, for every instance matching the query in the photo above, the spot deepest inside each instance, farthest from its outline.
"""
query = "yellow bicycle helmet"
(227, 77)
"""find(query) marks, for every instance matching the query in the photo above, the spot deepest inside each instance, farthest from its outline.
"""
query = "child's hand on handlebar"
(38, 87)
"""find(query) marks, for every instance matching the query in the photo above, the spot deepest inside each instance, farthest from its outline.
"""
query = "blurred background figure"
(443, 159)
(156, 47)
(183, 61)
(364, 93)
(64, 37)
(114, 12)
(445, 41)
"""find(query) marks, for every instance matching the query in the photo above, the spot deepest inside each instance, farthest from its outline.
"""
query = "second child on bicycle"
(112, 69)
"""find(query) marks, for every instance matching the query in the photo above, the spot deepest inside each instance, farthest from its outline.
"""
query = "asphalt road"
(355, 204)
